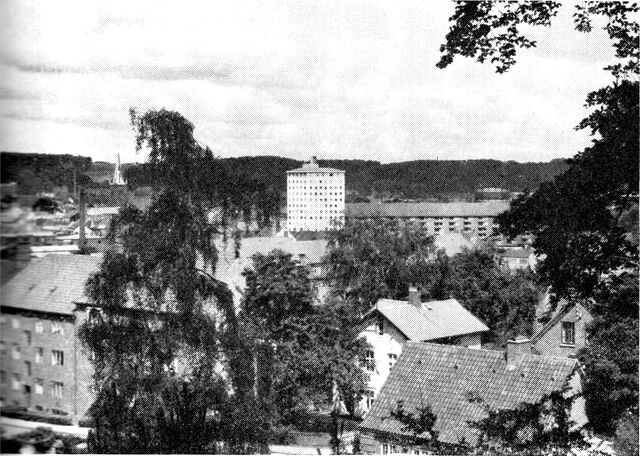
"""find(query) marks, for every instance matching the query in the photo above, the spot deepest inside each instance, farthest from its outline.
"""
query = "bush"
(626, 439)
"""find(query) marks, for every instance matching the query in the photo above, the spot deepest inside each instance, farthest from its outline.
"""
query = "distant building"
(43, 365)
(518, 258)
(391, 323)
(315, 197)
(492, 194)
(565, 334)
(308, 254)
(454, 242)
(435, 218)
(457, 383)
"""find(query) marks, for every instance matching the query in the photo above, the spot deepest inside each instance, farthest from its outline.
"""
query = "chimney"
(414, 297)
(516, 349)
(82, 238)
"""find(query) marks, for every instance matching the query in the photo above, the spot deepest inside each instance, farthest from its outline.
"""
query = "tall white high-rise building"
(315, 198)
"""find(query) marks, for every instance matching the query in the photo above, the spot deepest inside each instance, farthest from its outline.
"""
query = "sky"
(347, 79)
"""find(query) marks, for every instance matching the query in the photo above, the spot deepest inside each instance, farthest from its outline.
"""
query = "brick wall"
(551, 342)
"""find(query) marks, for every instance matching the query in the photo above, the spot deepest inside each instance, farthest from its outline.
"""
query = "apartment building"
(315, 197)
(43, 365)
(436, 218)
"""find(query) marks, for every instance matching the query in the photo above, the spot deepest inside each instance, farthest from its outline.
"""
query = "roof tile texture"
(445, 377)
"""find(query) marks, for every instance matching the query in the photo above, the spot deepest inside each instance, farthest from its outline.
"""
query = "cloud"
(348, 79)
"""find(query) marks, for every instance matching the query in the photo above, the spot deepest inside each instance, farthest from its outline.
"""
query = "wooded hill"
(419, 179)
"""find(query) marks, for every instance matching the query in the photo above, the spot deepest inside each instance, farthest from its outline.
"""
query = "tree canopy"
(581, 220)
(165, 323)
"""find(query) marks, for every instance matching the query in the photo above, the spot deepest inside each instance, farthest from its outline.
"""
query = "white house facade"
(391, 323)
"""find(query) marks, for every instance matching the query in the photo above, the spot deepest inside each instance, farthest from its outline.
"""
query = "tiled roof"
(398, 210)
(436, 319)
(50, 284)
(229, 269)
(446, 377)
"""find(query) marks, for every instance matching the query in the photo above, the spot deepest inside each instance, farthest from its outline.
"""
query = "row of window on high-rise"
(56, 388)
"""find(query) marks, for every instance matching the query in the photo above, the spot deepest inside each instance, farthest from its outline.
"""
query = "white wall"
(390, 342)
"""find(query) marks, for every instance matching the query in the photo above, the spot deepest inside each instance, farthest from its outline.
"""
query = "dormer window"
(568, 333)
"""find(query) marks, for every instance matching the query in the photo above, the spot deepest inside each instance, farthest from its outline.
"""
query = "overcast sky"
(336, 79)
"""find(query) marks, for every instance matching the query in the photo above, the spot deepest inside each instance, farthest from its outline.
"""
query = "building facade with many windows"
(436, 218)
(43, 365)
(315, 197)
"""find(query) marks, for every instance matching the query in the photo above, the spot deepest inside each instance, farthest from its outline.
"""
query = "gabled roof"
(50, 284)
(564, 307)
(446, 377)
(398, 210)
(435, 320)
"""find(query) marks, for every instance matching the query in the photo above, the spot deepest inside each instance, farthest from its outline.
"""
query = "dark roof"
(446, 377)
(50, 284)
(436, 319)
(517, 253)
(308, 235)
(563, 308)
(398, 210)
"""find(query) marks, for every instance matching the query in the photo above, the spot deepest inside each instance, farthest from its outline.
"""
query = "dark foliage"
(537, 428)
(300, 351)
(165, 322)
(422, 179)
(419, 424)
(45, 205)
(369, 260)
(585, 220)
(626, 440)
(42, 172)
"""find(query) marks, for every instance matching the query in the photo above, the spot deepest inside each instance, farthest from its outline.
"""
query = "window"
(367, 395)
(56, 389)
(27, 336)
(369, 360)
(57, 358)
(39, 327)
(56, 328)
(385, 448)
(15, 382)
(27, 368)
(392, 359)
(568, 333)
(3, 377)
(39, 354)
(380, 325)
(39, 386)
(15, 323)
(15, 352)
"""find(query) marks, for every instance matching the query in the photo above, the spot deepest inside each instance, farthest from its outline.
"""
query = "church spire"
(117, 174)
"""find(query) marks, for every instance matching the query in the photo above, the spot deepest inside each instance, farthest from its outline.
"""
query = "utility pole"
(82, 238)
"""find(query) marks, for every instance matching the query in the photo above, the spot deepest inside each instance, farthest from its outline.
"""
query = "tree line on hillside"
(42, 172)
(420, 179)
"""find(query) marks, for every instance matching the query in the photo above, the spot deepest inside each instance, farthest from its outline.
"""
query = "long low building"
(477, 218)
